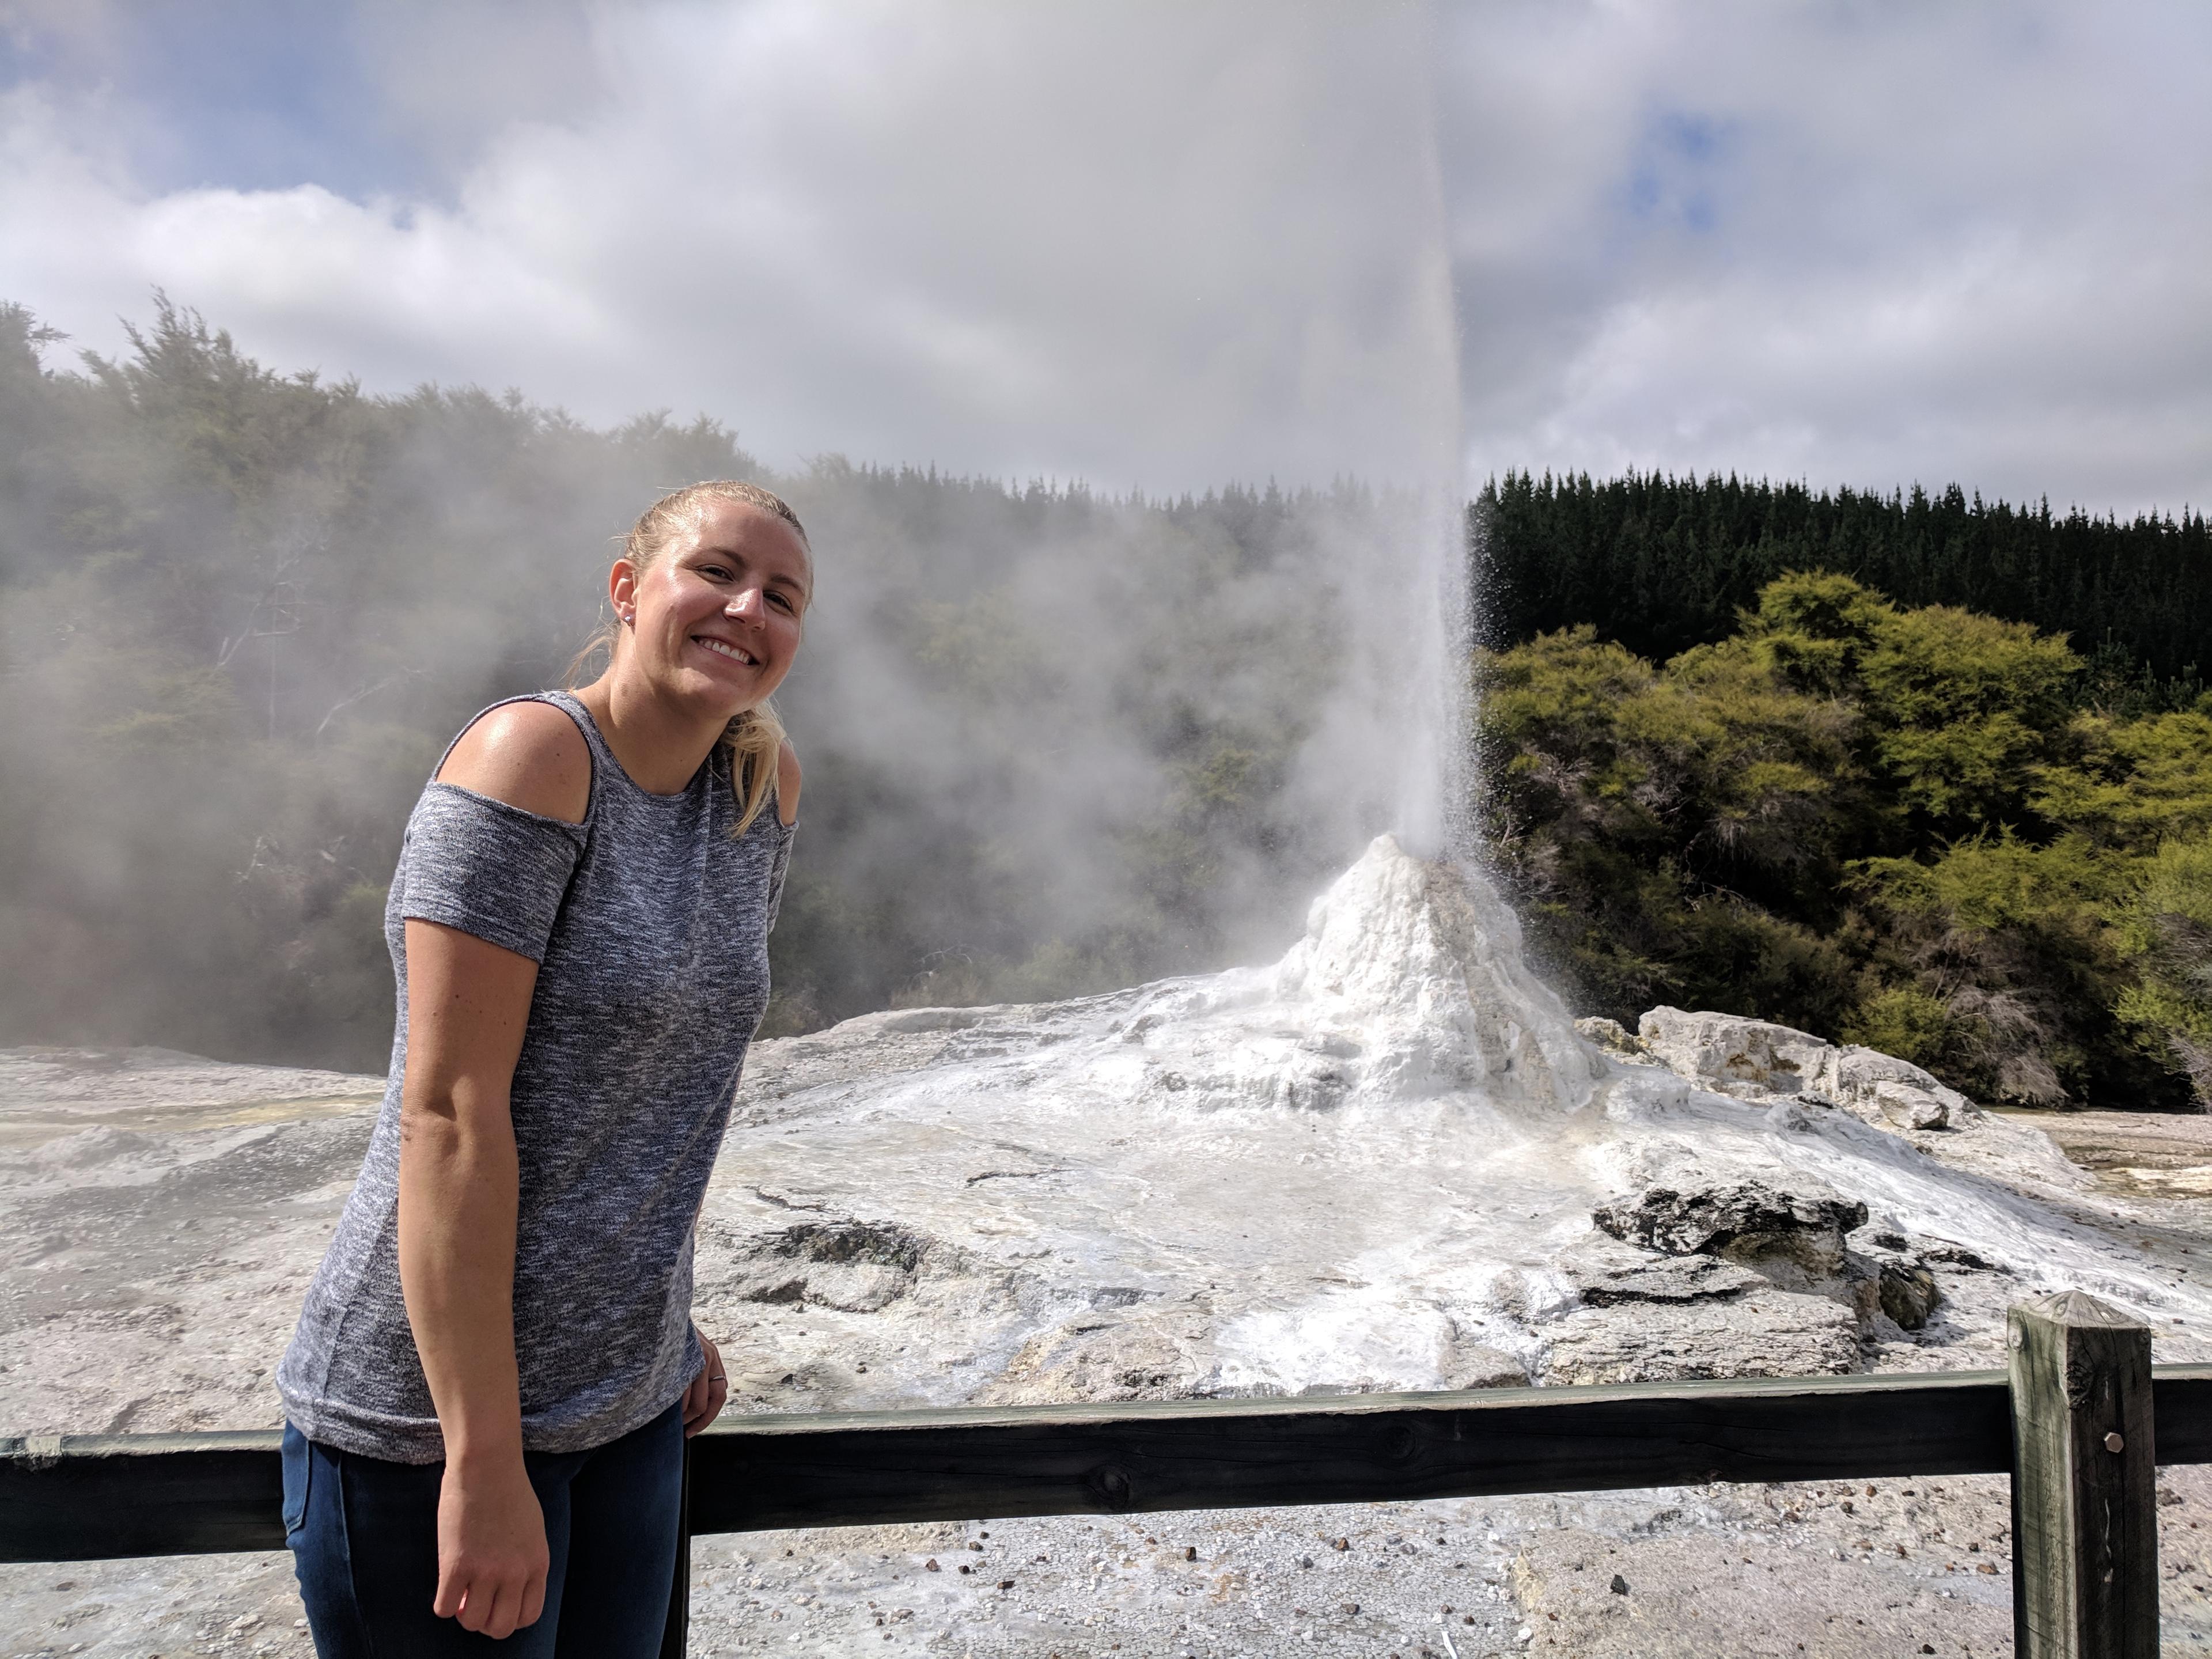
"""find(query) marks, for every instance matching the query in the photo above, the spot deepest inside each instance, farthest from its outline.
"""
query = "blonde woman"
(496, 1368)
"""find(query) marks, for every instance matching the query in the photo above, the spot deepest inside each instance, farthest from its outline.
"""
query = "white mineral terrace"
(1378, 1164)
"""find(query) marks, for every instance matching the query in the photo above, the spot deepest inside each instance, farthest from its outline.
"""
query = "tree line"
(1662, 564)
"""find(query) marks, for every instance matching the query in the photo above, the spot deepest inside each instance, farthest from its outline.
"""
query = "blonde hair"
(755, 738)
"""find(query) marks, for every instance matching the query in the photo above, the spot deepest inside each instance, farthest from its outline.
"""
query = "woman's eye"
(783, 599)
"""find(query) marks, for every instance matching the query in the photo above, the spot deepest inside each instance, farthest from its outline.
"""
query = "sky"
(1161, 246)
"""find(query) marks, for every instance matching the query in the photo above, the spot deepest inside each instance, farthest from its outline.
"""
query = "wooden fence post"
(2084, 1483)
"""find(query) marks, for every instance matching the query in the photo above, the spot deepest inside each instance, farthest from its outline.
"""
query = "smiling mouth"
(723, 648)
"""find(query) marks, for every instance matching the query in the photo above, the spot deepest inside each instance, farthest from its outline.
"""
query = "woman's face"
(714, 622)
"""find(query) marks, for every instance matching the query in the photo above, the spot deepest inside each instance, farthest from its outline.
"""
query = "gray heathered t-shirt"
(650, 928)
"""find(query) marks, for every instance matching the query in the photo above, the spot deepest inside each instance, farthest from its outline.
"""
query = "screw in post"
(2114, 1443)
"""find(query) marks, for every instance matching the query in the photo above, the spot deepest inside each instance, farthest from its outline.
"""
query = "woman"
(495, 1370)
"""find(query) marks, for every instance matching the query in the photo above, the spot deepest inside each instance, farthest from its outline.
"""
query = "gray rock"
(1744, 1221)
(1890, 1277)
(1927, 1105)
(1908, 1294)
(1606, 1272)
(1757, 1059)
(1752, 1058)
(1762, 1332)
(855, 1267)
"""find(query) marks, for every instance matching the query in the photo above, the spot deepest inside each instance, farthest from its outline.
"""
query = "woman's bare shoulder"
(787, 783)
(529, 755)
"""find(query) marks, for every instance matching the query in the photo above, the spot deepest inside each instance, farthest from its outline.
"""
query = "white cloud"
(1852, 242)
(1136, 243)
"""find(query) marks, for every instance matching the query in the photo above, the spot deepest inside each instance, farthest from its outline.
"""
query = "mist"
(1061, 734)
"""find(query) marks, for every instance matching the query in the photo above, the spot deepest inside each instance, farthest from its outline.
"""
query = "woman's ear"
(621, 590)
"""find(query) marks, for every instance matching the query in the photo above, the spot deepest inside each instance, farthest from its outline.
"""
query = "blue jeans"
(364, 1540)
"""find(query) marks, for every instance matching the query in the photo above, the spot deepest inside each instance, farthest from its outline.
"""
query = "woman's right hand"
(492, 1560)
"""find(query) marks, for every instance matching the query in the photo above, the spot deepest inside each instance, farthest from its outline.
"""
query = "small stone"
(1619, 1585)
(931, 1565)
(1907, 1292)
(1006, 1583)
(1351, 1607)
(1190, 1553)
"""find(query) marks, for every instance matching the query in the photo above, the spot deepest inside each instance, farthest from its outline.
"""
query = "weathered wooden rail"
(2072, 1422)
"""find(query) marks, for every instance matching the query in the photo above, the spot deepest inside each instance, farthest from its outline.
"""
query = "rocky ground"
(1387, 1161)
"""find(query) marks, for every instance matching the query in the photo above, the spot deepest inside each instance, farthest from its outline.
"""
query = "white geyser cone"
(1414, 967)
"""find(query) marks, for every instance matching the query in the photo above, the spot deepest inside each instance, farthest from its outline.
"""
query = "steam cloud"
(1055, 739)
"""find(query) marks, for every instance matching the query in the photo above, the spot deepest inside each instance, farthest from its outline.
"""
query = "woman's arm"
(468, 1003)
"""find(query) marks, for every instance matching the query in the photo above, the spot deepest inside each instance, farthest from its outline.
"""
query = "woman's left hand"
(709, 1391)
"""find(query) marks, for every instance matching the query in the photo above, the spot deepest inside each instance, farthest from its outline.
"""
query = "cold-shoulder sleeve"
(487, 868)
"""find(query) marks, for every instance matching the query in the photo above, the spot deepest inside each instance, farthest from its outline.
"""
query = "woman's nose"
(749, 603)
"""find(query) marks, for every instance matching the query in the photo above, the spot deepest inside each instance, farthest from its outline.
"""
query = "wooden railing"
(2072, 1421)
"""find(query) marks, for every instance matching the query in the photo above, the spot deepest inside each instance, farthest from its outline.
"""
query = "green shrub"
(1886, 826)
